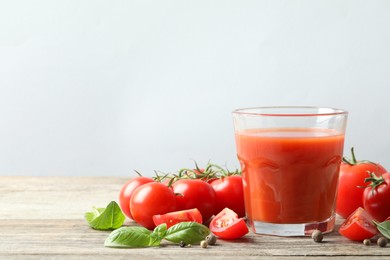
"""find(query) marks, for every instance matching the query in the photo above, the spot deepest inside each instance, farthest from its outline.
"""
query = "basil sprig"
(188, 232)
(107, 218)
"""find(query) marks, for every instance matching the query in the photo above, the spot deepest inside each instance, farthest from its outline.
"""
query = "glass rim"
(272, 111)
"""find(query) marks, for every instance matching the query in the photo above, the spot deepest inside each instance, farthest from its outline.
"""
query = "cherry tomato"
(172, 218)
(195, 194)
(151, 199)
(127, 190)
(376, 197)
(227, 225)
(352, 175)
(358, 226)
(230, 194)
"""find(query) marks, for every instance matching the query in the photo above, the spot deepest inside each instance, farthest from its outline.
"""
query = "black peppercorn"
(211, 239)
(382, 241)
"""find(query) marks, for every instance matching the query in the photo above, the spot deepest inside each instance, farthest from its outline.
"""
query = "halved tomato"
(227, 225)
(172, 218)
(358, 226)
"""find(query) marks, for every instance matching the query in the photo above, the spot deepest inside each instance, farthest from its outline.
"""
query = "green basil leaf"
(384, 228)
(131, 237)
(107, 218)
(160, 230)
(188, 232)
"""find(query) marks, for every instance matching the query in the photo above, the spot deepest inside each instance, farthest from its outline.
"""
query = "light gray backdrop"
(105, 87)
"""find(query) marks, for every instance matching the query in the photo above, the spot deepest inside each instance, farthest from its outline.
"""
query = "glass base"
(289, 230)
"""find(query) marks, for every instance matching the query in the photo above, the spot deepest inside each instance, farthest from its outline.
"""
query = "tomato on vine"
(198, 194)
(151, 199)
(353, 172)
(376, 196)
(127, 191)
(230, 194)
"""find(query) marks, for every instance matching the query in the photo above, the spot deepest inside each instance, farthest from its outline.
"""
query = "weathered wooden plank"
(184, 256)
(55, 197)
(68, 237)
(43, 217)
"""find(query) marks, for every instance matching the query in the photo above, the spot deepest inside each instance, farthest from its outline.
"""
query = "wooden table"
(43, 217)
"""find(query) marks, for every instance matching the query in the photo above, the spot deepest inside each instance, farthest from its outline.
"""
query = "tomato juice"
(290, 175)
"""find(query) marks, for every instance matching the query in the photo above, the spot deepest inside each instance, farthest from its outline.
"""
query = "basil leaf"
(384, 228)
(160, 230)
(189, 232)
(107, 218)
(89, 216)
(131, 237)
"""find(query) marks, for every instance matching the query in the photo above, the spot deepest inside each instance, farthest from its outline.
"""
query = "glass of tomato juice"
(290, 160)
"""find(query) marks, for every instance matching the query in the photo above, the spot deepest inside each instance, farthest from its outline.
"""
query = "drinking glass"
(290, 160)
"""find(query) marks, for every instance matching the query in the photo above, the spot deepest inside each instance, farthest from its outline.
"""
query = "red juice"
(290, 175)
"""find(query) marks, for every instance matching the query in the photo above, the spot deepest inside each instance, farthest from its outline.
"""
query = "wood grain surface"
(43, 217)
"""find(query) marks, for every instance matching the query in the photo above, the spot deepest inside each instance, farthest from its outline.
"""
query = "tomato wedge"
(172, 218)
(227, 225)
(358, 226)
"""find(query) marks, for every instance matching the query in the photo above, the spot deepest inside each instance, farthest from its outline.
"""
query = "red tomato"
(195, 194)
(151, 199)
(172, 218)
(230, 194)
(352, 175)
(358, 226)
(127, 190)
(227, 225)
(376, 197)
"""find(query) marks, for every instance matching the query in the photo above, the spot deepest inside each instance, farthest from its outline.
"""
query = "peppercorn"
(182, 244)
(317, 236)
(211, 239)
(203, 244)
(382, 241)
(367, 242)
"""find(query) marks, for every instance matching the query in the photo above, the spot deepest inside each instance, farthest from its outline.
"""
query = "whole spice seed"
(367, 242)
(211, 239)
(317, 236)
(203, 244)
(382, 241)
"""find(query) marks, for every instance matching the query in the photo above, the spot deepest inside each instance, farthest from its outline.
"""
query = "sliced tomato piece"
(172, 218)
(227, 225)
(358, 226)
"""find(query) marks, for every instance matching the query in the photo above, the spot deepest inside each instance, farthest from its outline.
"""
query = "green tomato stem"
(375, 181)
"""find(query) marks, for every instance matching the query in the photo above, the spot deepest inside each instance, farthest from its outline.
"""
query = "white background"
(105, 87)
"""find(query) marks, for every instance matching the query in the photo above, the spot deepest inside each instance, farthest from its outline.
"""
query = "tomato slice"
(358, 226)
(227, 225)
(172, 218)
